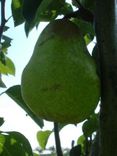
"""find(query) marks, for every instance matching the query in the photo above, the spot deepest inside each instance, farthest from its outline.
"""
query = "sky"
(15, 118)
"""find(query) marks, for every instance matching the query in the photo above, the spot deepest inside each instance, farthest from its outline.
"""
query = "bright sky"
(15, 118)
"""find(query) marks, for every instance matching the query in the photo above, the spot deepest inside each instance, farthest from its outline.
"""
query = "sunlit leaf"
(82, 142)
(42, 137)
(87, 39)
(35, 154)
(8, 67)
(81, 139)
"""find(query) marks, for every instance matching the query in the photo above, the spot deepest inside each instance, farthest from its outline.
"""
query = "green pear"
(60, 82)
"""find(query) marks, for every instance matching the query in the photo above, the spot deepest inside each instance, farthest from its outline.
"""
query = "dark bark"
(95, 146)
(57, 140)
(106, 32)
(3, 20)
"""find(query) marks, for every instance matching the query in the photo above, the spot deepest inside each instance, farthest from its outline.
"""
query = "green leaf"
(91, 125)
(1, 121)
(89, 4)
(35, 154)
(85, 27)
(75, 151)
(81, 140)
(65, 9)
(42, 137)
(6, 28)
(2, 57)
(14, 143)
(2, 85)
(30, 8)
(8, 67)
(47, 11)
(15, 93)
(61, 125)
(6, 44)
(88, 38)
(16, 7)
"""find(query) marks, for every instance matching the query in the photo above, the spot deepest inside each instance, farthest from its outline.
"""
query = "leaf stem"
(57, 140)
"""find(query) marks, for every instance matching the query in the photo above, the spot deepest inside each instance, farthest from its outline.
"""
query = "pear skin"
(60, 82)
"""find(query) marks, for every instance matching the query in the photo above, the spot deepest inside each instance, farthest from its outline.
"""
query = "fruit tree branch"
(57, 140)
(3, 20)
(106, 33)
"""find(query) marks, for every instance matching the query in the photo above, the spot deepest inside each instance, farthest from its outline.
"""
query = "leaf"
(35, 154)
(88, 38)
(42, 137)
(85, 27)
(89, 4)
(8, 67)
(82, 142)
(14, 143)
(2, 85)
(49, 10)
(65, 9)
(1, 121)
(29, 9)
(6, 28)
(6, 43)
(2, 57)
(46, 11)
(16, 7)
(15, 93)
(75, 151)
(91, 125)
(61, 125)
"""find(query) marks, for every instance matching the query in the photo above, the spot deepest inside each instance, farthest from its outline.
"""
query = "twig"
(3, 20)
(57, 140)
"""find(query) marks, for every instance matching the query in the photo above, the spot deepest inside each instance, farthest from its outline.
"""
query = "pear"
(60, 82)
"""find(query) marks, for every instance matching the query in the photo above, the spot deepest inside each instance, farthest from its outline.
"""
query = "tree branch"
(57, 140)
(81, 13)
(106, 33)
(3, 20)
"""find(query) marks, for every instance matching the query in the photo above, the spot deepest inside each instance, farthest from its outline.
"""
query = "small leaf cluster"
(6, 64)
(32, 12)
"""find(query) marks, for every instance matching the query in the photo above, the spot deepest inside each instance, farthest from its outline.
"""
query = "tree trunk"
(106, 32)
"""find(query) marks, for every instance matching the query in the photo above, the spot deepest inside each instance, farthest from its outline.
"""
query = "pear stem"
(57, 140)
